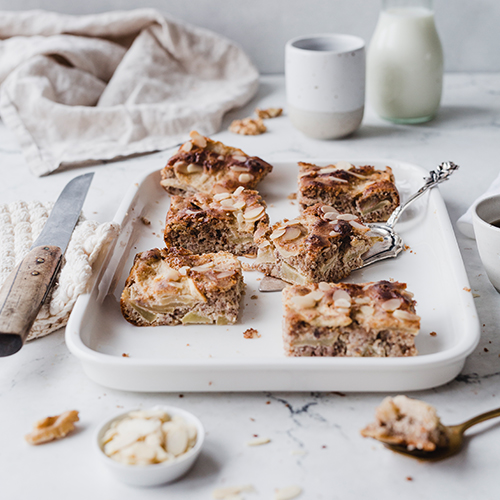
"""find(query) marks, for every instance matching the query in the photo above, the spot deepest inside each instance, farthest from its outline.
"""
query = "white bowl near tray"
(219, 358)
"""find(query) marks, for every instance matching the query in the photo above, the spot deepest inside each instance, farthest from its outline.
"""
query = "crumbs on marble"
(292, 196)
(145, 221)
(466, 288)
(254, 297)
(125, 355)
(258, 441)
(432, 334)
(476, 295)
(251, 333)
(409, 478)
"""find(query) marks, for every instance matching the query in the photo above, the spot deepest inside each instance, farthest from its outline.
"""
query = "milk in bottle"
(405, 62)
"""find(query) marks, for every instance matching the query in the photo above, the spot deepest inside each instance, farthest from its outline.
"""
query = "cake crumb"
(251, 333)
(466, 288)
(409, 478)
(125, 355)
(248, 126)
(432, 334)
(253, 297)
(292, 196)
(268, 113)
(145, 221)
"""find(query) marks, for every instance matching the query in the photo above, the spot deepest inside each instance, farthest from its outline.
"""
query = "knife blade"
(27, 287)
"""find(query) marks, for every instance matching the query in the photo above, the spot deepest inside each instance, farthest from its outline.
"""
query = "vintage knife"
(27, 287)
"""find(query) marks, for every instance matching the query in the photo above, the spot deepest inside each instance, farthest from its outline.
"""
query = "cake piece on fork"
(364, 191)
(319, 245)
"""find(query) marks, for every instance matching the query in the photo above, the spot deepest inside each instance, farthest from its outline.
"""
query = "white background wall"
(469, 29)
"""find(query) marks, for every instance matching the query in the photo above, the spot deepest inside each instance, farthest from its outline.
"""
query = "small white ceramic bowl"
(154, 474)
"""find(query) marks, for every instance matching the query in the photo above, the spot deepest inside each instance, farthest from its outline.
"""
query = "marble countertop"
(315, 440)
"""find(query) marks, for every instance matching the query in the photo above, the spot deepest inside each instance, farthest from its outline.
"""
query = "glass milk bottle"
(405, 62)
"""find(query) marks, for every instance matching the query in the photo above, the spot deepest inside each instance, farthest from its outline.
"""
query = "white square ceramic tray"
(218, 358)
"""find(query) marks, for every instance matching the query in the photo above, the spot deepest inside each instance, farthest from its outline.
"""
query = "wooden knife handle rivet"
(21, 296)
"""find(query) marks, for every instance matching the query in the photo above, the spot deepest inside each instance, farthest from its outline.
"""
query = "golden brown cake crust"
(202, 164)
(319, 245)
(345, 319)
(174, 286)
(205, 223)
(364, 191)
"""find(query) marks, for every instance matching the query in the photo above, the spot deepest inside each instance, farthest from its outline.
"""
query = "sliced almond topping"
(278, 232)
(238, 191)
(172, 275)
(198, 139)
(327, 170)
(331, 216)
(367, 310)
(264, 244)
(357, 225)
(391, 304)
(405, 315)
(192, 168)
(187, 147)
(240, 158)
(344, 165)
(348, 217)
(227, 202)
(341, 294)
(291, 233)
(343, 303)
(220, 189)
(305, 301)
(362, 300)
(324, 287)
(327, 209)
(359, 176)
(254, 213)
(317, 295)
(336, 179)
(239, 204)
(221, 196)
(244, 178)
(183, 270)
(238, 168)
(334, 233)
(224, 274)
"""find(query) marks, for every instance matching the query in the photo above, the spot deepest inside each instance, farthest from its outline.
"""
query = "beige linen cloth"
(98, 87)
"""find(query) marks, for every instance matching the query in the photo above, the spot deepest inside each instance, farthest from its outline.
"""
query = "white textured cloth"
(98, 87)
(20, 225)
(465, 222)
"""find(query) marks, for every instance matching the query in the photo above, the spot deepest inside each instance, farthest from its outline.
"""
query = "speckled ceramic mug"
(325, 84)
(486, 221)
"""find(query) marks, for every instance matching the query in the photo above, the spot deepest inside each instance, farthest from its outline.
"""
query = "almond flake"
(238, 191)
(240, 158)
(278, 232)
(258, 441)
(331, 216)
(287, 493)
(192, 168)
(254, 213)
(336, 179)
(187, 147)
(224, 274)
(405, 315)
(344, 165)
(291, 233)
(183, 270)
(227, 202)
(334, 233)
(244, 178)
(367, 310)
(327, 209)
(238, 168)
(341, 294)
(221, 196)
(347, 217)
(343, 303)
(198, 139)
(304, 301)
(391, 305)
(239, 204)
(357, 225)
(172, 275)
(324, 287)
(231, 492)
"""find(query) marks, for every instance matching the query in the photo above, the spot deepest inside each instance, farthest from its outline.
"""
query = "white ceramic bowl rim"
(326, 43)
(171, 410)
(481, 215)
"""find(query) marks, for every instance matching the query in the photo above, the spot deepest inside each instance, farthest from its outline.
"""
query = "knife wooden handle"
(23, 294)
